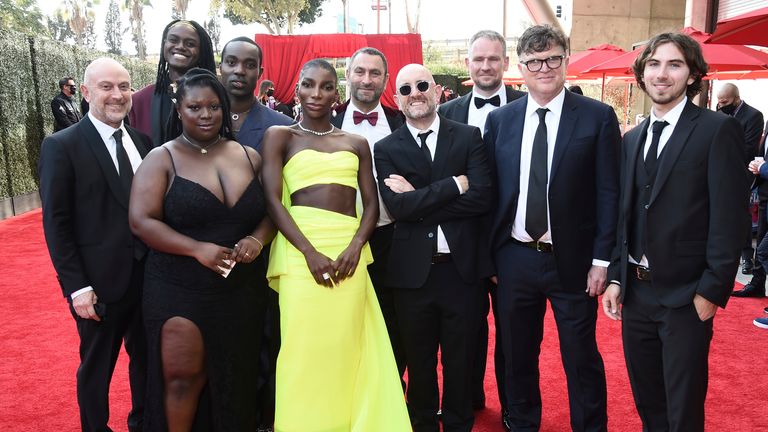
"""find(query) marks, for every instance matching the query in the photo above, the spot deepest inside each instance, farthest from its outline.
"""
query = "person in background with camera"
(63, 106)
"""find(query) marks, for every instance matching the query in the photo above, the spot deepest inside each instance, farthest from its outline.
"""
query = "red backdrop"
(284, 56)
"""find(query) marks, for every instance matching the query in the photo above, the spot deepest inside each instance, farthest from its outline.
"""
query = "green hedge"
(30, 69)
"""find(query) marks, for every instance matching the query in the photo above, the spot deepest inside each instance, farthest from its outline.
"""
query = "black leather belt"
(536, 245)
(639, 272)
(439, 258)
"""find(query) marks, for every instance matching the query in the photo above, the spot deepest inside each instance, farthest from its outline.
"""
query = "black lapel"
(443, 147)
(91, 135)
(138, 141)
(462, 106)
(568, 119)
(410, 149)
(634, 150)
(674, 146)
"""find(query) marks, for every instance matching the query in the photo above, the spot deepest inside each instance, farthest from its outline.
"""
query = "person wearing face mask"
(65, 112)
(729, 102)
(185, 45)
(267, 94)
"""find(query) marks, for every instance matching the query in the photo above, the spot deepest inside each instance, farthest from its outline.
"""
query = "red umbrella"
(581, 61)
(721, 58)
(747, 29)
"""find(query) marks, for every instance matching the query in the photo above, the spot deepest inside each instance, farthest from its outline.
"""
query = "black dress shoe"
(749, 290)
(506, 421)
(747, 266)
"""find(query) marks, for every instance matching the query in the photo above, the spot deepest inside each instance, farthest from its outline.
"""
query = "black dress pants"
(100, 343)
(667, 352)
(527, 279)
(441, 314)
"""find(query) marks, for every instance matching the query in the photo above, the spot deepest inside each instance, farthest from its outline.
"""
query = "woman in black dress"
(197, 202)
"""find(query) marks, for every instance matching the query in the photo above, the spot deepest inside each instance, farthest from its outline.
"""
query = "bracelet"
(257, 241)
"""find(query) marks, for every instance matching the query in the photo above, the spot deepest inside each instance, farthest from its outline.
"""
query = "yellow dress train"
(335, 370)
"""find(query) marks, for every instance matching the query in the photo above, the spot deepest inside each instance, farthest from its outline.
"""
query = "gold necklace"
(203, 149)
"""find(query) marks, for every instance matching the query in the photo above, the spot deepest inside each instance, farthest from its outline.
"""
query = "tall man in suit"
(682, 218)
(240, 70)
(433, 177)
(63, 106)
(363, 114)
(486, 62)
(85, 179)
(730, 103)
(553, 156)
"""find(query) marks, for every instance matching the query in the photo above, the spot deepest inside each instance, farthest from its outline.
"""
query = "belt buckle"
(542, 246)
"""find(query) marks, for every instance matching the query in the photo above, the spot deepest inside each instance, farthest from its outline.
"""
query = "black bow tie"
(480, 102)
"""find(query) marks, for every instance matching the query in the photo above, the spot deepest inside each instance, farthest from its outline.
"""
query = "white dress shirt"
(672, 117)
(442, 243)
(476, 116)
(105, 132)
(372, 134)
(552, 120)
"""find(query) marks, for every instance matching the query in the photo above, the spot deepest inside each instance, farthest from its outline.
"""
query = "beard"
(366, 97)
(493, 85)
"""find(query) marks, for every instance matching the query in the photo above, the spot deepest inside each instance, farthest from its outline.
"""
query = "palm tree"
(136, 13)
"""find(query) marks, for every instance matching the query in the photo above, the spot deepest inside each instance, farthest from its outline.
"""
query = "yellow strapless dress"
(335, 370)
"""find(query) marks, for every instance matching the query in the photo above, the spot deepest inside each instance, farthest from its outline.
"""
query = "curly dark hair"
(205, 59)
(692, 54)
(201, 78)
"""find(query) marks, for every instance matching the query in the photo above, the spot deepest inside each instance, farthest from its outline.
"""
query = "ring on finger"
(326, 276)
(247, 254)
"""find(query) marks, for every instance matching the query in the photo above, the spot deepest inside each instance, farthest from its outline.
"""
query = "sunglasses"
(421, 86)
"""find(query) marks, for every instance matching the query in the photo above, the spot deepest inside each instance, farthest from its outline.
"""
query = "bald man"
(729, 102)
(434, 179)
(86, 172)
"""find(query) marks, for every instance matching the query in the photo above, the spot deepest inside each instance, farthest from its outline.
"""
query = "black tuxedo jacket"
(752, 122)
(85, 211)
(458, 109)
(395, 118)
(697, 213)
(436, 200)
(760, 183)
(583, 182)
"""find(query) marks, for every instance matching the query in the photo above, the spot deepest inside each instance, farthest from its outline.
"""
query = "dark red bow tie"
(372, 117)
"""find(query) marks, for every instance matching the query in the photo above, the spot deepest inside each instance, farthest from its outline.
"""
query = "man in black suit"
(553, 156)
(63, 106)
(433, 177)
(85, 179)
(486, 62)
(730, 103)
(363, 114)
(682, 218)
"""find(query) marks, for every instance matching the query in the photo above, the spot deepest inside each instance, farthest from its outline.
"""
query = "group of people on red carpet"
(386, 236)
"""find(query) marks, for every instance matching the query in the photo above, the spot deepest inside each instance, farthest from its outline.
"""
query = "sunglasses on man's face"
(421, 86)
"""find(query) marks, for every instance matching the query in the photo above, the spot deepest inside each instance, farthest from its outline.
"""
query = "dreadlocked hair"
(200, 78)
(205, 60)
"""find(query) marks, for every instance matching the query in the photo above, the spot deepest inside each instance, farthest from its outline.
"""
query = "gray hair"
(491, 35)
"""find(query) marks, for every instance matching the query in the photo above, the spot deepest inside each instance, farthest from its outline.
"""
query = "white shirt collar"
(434, 127)
(352, 108)
(672, 116)
(555, 105)
(105, 131)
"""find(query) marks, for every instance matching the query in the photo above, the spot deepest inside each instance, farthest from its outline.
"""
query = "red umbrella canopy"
(721, 58)
(581, 61)
(747, 29)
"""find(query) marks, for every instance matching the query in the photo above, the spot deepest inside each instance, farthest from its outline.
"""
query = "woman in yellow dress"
(335, 370)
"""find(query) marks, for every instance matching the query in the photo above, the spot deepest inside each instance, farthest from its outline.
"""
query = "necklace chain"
(203, 149)
(316, 132)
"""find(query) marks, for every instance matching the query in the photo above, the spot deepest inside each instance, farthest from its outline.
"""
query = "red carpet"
(38, 357)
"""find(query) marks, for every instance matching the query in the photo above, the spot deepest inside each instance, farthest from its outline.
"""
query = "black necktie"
(424, 148)
(123, 163)
(651, 158)
(480, 102)
(536, 208)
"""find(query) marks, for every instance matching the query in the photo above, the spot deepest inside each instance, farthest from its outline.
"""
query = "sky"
(440, 19)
